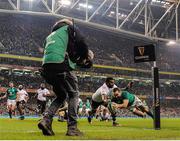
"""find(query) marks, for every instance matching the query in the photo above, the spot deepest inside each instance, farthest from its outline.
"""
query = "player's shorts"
(80, 110)
(11, 102)
(137, 102)
(88, 109)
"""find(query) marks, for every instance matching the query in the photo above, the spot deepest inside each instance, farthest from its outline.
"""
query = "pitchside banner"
(145, 53)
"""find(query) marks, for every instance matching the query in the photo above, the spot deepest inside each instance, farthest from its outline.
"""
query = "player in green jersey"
(80, 107)
(119, 99)
(88, 106)
(11, 94)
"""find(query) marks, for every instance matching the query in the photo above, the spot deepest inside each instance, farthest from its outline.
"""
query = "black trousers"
(65, 86)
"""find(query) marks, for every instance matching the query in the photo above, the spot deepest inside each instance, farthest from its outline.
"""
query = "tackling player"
(11, 94)
(122, 99)
(22, 97)
(100, 98)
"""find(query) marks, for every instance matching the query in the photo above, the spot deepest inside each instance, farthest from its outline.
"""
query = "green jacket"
(56, 47)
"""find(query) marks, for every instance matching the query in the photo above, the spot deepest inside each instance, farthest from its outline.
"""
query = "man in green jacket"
(64, 50)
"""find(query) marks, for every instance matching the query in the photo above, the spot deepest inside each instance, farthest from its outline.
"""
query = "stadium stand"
(27, 33)
(24, 35)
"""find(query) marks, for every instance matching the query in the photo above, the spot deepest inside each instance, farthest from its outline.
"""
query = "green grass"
(14, 129)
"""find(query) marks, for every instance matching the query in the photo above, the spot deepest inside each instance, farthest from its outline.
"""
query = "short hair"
(116, 89)
(43, 84)
(109, 79)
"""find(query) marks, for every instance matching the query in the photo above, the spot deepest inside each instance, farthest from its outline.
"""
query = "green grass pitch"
(14, 129)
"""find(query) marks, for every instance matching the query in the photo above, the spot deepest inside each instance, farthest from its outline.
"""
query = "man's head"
(110, 82)
(62, 23)
(11, 84)
(20, 87)
(116, 92)
(42, 86)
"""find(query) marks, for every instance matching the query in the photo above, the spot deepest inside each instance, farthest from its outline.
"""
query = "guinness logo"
(141, 50)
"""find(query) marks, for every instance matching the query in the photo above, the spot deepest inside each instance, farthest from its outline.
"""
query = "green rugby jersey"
(12, 93)
(128, 96)
(80, 104)
(124, 95)
(88, 105)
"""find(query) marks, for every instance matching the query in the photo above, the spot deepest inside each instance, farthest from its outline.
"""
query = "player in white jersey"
(22, 97)
(100, 98)
(42, 93)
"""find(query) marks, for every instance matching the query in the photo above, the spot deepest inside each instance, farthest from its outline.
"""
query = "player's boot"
(21, 117)
(90, 119)
(45, 125)
(74, 131)
(116, 124)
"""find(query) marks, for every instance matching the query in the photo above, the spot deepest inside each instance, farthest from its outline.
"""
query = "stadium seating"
(27, 34)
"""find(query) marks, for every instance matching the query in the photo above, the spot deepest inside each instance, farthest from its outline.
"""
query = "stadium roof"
(157, 19)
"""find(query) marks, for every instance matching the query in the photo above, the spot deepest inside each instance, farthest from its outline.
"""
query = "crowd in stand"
(89, 83)
(24, 35)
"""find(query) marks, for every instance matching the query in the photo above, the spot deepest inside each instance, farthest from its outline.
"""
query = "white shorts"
(11, 102)
(87, 110)
(80, 110)
(137, 103)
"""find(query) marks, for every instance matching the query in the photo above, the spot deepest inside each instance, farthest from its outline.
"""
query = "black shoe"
(116, 124)
(46, 126)
(74, 131)
(89, 119)
(21, 117)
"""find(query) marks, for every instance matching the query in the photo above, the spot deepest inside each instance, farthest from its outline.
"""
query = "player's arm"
(17, 96)
(124, 104)
(27, 96)
(18, 93)
(128, 87)
(4, 96)
(47, 93)
(104, 98)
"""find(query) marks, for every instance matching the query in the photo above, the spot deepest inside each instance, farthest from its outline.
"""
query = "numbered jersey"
(125, 95)
(12, 93)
